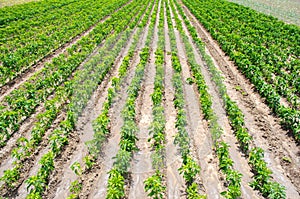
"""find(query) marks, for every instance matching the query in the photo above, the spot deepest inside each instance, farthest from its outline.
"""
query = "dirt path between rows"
(281, 151)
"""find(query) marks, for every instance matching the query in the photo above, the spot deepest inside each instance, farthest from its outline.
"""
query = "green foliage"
(154, 186)
(75, 187)
(10, 177)
(89, 161)
(192, 192)
(271, 68)
(189, 169)
(115, 189)
(76, 168)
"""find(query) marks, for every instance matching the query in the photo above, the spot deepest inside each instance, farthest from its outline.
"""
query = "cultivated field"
(148, 99)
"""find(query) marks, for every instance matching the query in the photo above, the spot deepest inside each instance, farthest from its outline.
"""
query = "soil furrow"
(175, 182)
(25, 75)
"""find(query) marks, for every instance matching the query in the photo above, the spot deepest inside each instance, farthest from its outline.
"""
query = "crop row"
(262, 175)
(129, 129)
(189, 168)
(154, 184)
(116, 181)
(21, 103)
(11, 14)
(277, 49)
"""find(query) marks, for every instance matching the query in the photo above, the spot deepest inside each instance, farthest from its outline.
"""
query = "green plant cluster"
(29, 10)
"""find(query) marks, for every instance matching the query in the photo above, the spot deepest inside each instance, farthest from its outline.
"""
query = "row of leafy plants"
(189, 168)
(118, 173)
(216, 18)
(129, 130)
(23, 43)
(154, 185)
(22, 102)
(262, 175)
(233, 177)
(82, 87)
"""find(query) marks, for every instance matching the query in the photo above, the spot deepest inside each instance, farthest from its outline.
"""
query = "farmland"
(148, 99)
